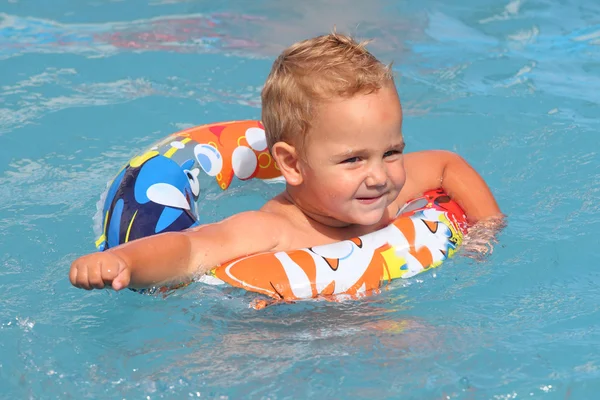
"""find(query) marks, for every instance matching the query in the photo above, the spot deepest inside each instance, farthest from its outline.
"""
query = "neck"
(312, 215)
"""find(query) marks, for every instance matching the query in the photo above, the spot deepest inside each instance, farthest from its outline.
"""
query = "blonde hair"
(312, 71)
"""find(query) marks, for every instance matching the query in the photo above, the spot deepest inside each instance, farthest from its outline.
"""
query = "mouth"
(371, 199)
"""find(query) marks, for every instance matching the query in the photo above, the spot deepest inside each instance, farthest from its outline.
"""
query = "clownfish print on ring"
(419, 239)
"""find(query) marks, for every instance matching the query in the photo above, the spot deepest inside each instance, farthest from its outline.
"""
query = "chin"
(367, 219)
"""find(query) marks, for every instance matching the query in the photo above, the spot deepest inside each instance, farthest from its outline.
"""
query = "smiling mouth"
(369, 200)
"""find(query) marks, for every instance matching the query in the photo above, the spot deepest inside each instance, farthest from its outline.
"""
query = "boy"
(333, 121)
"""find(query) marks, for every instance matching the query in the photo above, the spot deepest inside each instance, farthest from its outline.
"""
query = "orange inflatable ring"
(157, 192)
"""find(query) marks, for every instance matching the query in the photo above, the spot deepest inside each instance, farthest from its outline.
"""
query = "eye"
(193, 179)
(391, 153)
(351, 160)
(209, 158)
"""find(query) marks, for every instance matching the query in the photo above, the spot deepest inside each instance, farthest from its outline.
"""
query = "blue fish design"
(156, 187)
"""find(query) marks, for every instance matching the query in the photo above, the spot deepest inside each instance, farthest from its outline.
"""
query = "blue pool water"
(513, 86)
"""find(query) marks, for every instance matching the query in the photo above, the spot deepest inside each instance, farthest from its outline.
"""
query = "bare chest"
(300, 231)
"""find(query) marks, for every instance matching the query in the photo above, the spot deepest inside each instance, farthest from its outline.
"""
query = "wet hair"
(311, 72)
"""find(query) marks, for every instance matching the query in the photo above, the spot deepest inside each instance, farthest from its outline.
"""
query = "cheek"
(399, 174)
(335, 186)
(345, 185)
(323, 184)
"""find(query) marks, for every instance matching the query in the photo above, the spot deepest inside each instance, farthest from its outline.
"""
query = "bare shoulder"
(242, 234)
(424, 171)
(294, 227)
(248, 222)
(427, 158)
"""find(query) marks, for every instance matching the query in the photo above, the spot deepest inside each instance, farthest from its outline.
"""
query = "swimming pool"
(512, 86)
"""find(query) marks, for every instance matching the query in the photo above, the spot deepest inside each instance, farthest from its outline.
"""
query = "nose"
(377, 175)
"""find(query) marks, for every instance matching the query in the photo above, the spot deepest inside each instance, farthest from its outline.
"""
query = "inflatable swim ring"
(157, 192)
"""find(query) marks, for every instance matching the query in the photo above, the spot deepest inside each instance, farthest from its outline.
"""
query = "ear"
(288, 161)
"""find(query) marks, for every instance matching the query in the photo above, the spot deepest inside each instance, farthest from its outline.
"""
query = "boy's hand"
(97, 270)
(481, 237)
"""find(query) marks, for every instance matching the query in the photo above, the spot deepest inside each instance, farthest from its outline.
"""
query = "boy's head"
(333, 121)
(310, 73)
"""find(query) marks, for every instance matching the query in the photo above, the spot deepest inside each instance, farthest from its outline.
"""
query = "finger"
(109, 272)
(122, 280)
(95, 277)
(73, 275)
(82, 278)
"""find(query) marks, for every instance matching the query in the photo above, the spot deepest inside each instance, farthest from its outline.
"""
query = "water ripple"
(30, 99)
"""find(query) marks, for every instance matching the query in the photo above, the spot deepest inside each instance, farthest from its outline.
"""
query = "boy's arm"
(438, 168)
(173, 256)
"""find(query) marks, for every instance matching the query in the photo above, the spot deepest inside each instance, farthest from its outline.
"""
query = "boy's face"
(353, 167)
